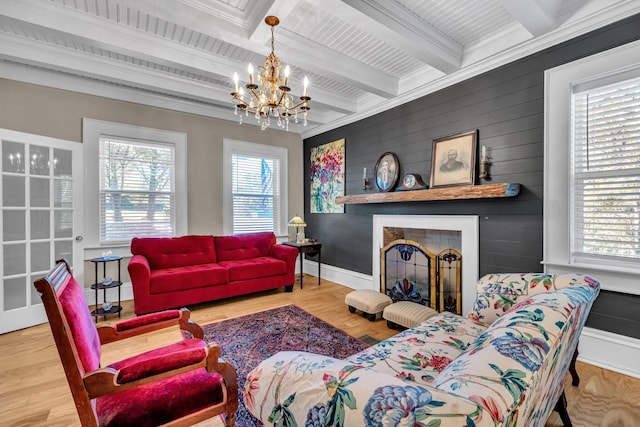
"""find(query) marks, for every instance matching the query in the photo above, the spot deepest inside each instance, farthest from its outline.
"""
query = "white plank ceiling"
(362, 56)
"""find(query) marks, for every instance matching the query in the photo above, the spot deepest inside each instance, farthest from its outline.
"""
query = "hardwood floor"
(34, 392)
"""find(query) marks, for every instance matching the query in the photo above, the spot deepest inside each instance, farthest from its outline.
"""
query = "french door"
(41, 217)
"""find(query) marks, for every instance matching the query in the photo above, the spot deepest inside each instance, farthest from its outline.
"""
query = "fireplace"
(428, 259)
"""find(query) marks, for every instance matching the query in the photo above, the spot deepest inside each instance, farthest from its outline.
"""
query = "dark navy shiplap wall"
(506, 105)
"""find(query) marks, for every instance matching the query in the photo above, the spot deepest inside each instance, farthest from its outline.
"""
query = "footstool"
(368, 301)
(406, 314)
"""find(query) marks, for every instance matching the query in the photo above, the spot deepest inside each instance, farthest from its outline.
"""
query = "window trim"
(557, 164)
(231, 147)
(92, 131)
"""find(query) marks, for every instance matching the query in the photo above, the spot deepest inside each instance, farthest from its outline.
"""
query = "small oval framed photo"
(386, 171)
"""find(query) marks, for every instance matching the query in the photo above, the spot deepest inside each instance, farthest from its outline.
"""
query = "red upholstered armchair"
(179, 384)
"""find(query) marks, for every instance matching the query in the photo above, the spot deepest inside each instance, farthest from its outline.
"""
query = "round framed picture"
(386, 171)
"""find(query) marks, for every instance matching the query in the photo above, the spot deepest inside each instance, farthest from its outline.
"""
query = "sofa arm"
(318, 390)
(516, 368)
(287, 254)
(140, 274)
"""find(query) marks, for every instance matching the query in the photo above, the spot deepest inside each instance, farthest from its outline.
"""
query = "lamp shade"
(296, 221)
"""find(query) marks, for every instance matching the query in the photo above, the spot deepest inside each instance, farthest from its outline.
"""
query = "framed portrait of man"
(453, 160)
(386, 171)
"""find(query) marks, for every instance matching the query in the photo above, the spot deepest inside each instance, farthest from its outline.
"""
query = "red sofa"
(178, 271)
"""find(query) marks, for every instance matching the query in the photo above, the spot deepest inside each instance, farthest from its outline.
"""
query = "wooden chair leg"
(561, 409)
(575, 379)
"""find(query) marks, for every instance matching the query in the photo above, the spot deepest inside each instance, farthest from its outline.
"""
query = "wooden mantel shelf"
(485, 191)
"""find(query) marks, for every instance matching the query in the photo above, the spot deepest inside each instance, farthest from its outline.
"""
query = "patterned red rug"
(248, 340)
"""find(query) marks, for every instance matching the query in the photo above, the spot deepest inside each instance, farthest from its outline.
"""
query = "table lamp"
(299, 224)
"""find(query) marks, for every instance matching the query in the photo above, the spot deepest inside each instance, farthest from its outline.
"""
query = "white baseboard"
(348, 278)
(610, 351)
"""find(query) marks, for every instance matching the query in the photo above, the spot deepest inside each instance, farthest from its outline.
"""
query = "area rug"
(250, 339)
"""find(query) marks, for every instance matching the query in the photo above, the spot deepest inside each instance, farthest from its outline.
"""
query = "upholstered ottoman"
(368, 301)
(406, 314)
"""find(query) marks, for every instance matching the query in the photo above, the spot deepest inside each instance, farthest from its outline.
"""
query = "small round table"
(100, 311)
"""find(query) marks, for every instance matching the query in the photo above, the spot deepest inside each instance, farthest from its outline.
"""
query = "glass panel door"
(39, 178)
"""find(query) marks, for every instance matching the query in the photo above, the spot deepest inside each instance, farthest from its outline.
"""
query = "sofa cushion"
(169, 252)
(420, 353)
(154, 403)
(245, 269)
(244, 246)
(296, 388)
(188, 277)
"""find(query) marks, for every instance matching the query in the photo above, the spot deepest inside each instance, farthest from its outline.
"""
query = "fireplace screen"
(449, 274)
(410, 272)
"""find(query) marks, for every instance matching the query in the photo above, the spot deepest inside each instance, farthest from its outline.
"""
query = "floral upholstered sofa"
(502, 365)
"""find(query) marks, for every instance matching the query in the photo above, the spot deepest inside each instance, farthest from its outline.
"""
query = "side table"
(311, 249)
(100, 311)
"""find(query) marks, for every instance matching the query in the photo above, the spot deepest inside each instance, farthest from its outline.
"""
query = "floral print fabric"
(446, 371)
(420, 353)
(304, 389)
(497, 293)
(516, 369)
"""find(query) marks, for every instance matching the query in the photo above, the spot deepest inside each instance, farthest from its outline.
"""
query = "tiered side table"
(100, 311)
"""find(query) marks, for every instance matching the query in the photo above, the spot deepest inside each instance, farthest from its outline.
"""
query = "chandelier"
(271, 97)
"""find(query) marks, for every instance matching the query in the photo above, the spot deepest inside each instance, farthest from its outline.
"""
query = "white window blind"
(137, 189)
(606, 172)
(255, 193)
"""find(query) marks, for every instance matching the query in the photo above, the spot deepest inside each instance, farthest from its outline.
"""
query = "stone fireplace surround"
(467, 225)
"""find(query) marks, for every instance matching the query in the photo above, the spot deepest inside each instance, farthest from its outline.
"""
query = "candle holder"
(365, 182)
(485, 168)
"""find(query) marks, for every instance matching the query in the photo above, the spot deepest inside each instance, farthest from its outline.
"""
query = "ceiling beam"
(57, 58)
(398, 27)
(300, 52)
(65, 60)
(309, 54)
(258, 31)
(532, 15)
(95, 32)
(171, 54)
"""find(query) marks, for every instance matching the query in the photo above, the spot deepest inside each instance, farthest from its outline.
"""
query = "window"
(255, 194)
(592, 168)
(137, 189)
(135, 184)
(606, 172)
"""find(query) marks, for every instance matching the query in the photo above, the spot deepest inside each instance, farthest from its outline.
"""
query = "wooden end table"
(311, 249)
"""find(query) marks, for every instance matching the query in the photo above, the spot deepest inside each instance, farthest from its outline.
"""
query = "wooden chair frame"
(87, 386)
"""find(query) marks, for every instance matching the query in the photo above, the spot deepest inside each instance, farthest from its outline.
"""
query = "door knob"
(79, 238)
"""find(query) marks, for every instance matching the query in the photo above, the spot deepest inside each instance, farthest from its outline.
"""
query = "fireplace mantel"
(485, 191)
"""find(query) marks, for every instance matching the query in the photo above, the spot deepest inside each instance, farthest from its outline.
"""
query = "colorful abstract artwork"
(327, 177)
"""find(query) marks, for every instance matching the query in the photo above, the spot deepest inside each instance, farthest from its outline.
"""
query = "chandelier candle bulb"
(250, 70)
(364, 173)
(287, 70)
(235, 81)
(484, 152)
(306, 85)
